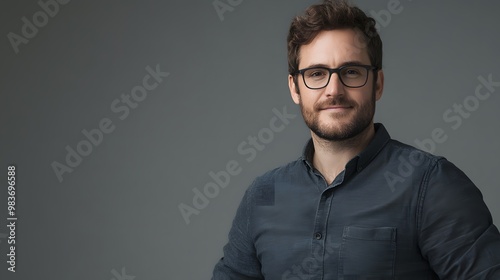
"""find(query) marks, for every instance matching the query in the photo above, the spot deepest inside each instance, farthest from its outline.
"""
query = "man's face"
(336, 112)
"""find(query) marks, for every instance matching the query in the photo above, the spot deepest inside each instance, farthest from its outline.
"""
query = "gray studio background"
(116, 215)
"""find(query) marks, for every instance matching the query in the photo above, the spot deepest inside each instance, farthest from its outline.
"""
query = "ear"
(379, 86)
(293, 90)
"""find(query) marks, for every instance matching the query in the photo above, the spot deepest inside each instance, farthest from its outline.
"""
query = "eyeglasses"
(353, 76)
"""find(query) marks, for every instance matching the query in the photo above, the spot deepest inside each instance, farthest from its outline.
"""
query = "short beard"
(349, 130)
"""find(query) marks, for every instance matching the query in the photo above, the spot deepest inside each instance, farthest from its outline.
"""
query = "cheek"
(307, 97)
(308, 103)
(361, 98)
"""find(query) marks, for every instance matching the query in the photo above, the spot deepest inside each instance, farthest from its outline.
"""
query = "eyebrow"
(351, 62)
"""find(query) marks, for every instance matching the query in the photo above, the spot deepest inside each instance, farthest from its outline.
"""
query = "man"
(345, 210)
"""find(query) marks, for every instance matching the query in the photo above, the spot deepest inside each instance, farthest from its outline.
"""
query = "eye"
(352, 72)
(316, 73)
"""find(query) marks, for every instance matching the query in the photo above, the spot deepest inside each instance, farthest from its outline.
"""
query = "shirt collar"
(362, 159)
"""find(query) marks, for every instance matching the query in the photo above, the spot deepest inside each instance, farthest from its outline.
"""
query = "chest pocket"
(367, 253)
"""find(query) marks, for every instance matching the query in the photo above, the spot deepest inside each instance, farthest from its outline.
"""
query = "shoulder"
(441, 182)
(417, 157)
(407, 154)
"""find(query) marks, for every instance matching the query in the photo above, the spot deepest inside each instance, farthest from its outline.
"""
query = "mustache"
(337, 101)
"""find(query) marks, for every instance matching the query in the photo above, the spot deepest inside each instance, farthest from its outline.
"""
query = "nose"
(335, 86)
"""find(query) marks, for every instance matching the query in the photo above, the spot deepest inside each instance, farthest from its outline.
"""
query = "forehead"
(334, 48)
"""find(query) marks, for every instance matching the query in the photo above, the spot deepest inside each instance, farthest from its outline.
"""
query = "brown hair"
(332, 14)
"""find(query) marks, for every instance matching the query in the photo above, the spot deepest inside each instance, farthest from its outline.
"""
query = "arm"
(456, 233)
(240, 260)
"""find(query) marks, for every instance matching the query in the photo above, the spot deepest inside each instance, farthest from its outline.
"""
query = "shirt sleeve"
(240, 260)
(456, 232)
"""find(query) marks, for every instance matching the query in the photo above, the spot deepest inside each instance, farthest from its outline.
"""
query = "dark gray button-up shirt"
(395, 212)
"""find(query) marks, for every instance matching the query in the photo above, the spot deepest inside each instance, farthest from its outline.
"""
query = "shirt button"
(318, 235)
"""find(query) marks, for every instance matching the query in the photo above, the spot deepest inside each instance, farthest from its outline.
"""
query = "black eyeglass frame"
(336, 70)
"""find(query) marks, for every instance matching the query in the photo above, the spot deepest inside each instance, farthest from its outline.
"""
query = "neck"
(330, 157)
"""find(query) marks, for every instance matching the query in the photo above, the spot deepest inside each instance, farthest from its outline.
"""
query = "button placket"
(319, 233)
